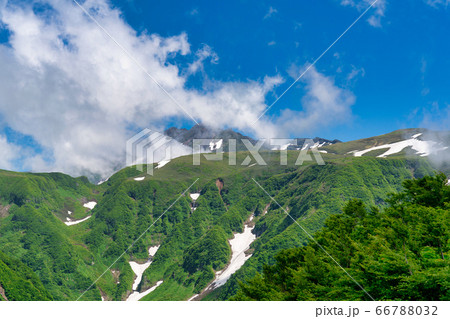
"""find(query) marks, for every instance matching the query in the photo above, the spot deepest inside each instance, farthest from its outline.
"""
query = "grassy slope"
(362, 144)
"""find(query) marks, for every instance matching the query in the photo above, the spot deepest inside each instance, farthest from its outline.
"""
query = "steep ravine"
(239, 244)
(139, 269)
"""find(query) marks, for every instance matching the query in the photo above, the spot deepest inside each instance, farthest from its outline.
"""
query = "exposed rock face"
(2, 293)
(219, 184)
(4, 210)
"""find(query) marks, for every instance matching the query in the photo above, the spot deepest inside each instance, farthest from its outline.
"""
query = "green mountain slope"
(32, 229)
(18, 282)
(312, 195)
(91, 259)
(397, 253)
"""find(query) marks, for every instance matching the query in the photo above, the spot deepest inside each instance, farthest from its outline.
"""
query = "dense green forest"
(19, 282)
(400, 252)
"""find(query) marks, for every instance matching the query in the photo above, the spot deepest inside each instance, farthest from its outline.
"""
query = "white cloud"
(437, 3)
(66, 84)
(205, 52)
(324, 105)
(376, 13)
(270, 12)
(271, 43)
(8, 154)
(69, 86)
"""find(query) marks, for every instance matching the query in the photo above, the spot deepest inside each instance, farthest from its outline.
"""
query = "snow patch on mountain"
(194, 196)
(102, 181)
(305, 146)
(140, 268)
(162, 163)
(422, 148)
(239, 244)
(71, 222)
(90, 205)
(136, 296)
(215, 145)
(285, 146)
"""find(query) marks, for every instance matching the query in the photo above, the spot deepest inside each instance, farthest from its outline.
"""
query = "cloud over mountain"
(74, 90)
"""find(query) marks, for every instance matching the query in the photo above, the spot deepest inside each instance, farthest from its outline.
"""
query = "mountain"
(410, 141)
(219, 139)
(317, 142)
(188, 231)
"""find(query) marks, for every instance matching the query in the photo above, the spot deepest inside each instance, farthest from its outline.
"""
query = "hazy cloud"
(436, 117)
(193, 12)
(324, 104)
(437, 3)
(204, 53)
(375, 14)
(270, 12)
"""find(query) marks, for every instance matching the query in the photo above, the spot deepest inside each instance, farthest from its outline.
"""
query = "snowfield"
(90, 205)
(102, 181)
(136, 296)
(139, 269)
(215, 145)
(162, 163)
(152, 250)
(239, 244)
(194, 196)
(422, 148)
(284, 147)
(302, 147)
(193, 297)
(70, 222)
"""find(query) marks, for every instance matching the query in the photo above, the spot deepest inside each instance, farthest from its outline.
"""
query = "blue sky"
(402, 64)
(70, 96)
